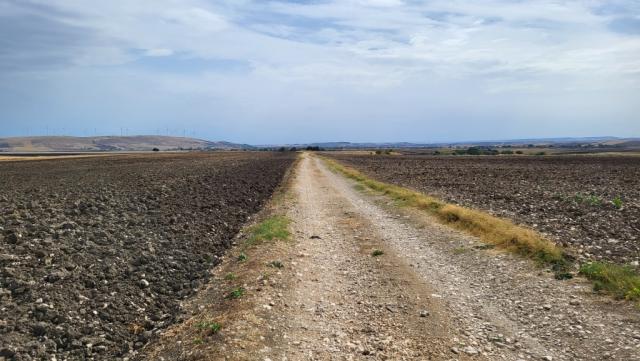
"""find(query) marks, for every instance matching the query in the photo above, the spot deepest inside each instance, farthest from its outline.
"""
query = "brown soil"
(97, 253)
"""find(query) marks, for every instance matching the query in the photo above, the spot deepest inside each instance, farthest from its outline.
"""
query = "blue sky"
(299, 71)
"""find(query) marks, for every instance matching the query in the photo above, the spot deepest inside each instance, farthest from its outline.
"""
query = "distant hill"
(110, 143)
(612, 142)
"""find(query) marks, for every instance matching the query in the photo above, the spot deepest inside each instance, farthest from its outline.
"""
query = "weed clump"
(377, 253)
(622, 282)
(617, 202)
(589, 199)
(274, 228)
(209, 326)
(242, 257)
(236, 293)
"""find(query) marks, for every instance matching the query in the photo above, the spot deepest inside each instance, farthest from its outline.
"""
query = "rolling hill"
(110, 143)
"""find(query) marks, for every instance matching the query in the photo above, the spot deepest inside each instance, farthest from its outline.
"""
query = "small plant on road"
(230, 276)
(236, 293)
(377, 253)
(242, 257)
(209, 326)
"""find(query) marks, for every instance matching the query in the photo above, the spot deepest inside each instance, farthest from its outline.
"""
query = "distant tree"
(281, 149)
(293, 149)
(474, 151)
(156, 149)
(519, 152)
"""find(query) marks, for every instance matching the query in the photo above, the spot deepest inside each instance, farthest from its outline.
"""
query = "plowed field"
(97, 253)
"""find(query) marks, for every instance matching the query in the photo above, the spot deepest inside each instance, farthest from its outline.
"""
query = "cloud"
(346, 61)
(158, 52)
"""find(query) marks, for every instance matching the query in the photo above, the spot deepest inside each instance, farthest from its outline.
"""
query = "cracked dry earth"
(435, 293)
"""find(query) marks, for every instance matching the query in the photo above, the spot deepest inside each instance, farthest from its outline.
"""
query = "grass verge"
(622, 282)
(272, 228)
(489, 229)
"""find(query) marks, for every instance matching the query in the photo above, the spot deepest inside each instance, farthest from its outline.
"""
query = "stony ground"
(569, 198)
(433, 293)
(96, 254)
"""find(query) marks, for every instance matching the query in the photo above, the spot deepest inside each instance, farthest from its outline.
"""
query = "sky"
(270, 72)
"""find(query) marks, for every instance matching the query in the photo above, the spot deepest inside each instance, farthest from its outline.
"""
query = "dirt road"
(432, 293)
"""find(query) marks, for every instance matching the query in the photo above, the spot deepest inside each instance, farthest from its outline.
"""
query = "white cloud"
(158, 52)
(361, 58)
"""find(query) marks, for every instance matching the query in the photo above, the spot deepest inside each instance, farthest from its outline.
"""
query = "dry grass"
(492, 230)
(619, 281)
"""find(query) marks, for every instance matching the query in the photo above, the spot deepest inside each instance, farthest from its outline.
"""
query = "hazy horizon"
(460, 141)
(283, 72)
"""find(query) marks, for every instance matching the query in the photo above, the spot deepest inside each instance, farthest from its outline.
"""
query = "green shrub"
(474, 151)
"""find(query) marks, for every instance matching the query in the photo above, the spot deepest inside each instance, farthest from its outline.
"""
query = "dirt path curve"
(433, 294)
